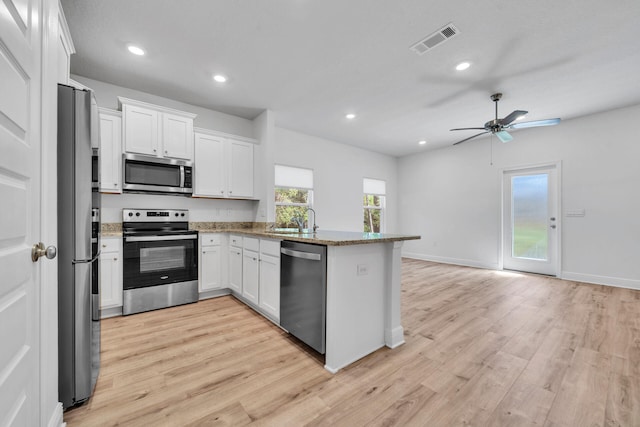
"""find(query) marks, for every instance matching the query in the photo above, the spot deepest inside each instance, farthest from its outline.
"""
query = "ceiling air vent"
(433, 40)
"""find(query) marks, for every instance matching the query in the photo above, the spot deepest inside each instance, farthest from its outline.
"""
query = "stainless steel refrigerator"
(78, 248)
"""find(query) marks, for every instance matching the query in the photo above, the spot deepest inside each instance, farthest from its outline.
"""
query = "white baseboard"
(456, 261)
(619, 282)
(56, 419)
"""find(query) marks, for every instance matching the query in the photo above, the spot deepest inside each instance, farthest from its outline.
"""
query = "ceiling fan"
(499, 127)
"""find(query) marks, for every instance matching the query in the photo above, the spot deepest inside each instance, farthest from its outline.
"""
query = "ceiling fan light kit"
(499, 127)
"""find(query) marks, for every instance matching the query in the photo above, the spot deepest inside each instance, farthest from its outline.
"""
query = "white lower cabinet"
(252, 273)
(269, 290)
(110, 270)
(250, 269)
(210, 277)
(261, 275)
(235, 263)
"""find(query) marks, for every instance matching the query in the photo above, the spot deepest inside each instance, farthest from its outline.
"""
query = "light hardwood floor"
(482, 348)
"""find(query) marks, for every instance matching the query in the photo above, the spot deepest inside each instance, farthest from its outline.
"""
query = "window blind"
(374, 186)
(288, 176)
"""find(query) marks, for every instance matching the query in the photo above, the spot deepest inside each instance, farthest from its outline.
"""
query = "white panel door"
(140, 130)
(177, 136)
(20, 191)
(241, 172)
(530, 220)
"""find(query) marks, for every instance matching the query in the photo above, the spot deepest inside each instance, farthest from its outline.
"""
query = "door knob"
(38, 250)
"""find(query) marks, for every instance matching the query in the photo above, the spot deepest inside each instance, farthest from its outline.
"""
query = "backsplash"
(109, 228)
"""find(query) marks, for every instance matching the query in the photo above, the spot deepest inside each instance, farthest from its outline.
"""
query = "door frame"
(558, 241)
(51, 411)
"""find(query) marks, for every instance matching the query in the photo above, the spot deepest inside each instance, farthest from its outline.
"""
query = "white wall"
(452, 196)
(107, 97)
(338, 170)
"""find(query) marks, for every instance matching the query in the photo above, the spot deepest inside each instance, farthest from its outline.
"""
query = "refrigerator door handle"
(87, 261)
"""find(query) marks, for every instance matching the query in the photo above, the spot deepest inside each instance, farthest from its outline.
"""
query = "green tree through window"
(292, 203)
(373, 206)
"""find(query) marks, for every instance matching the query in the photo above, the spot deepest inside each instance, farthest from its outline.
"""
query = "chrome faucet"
(315, 227)
(300, 222)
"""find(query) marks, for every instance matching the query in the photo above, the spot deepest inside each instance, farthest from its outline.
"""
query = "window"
(373, 202)
(293, 195)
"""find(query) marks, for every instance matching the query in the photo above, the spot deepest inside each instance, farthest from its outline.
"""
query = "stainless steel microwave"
(147, 174)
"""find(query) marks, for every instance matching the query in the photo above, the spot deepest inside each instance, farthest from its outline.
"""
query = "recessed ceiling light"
(463, 66)
(135, 50)
(220, 78)
(350, 116)
(422, 142)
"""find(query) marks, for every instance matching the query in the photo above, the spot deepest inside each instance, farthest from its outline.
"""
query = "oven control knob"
(182, 214)
(130, 213)
(137, 213)
(177, 214)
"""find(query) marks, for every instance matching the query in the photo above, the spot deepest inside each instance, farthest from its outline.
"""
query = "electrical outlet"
(363, 269)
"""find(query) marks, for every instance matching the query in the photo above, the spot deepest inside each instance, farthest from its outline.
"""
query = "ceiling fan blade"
(535, 123)
(511, 117)
(471, 137)
(468, 129)
(504, 136)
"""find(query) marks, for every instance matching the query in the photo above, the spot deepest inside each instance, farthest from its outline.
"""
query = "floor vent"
(433, 40)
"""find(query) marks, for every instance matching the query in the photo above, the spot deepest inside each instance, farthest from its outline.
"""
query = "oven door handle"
(159, 238)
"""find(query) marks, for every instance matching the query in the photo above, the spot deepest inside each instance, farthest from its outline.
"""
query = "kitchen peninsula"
(363, 278)
(363, 291)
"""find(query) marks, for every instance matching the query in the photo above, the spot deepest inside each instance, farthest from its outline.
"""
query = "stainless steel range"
(160, 259)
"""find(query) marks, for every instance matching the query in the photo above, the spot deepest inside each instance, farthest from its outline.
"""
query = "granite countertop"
(322, 237)
(330, 238)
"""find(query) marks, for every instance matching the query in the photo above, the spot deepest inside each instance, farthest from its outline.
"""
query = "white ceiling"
(311, 62)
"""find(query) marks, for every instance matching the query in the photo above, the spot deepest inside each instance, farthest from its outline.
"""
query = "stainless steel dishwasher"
(303, 292)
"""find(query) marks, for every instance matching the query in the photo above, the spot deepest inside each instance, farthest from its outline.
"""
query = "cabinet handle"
(155, 151)
(115, 184)
(115, 259)
(166, 152)
(221, 191)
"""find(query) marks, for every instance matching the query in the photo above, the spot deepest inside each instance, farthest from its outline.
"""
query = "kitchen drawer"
(235, 240)
(210, 239)
(110, 244)
(251, 244)
(270, 247)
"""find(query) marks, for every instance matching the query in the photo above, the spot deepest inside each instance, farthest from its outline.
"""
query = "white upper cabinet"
(177, 134)
(241, 173)
(110, 157)
(140, 130)
(210, 178)
(224, 165)
(156, 131)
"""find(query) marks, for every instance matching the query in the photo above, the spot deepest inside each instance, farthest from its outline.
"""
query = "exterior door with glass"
(530, 220)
